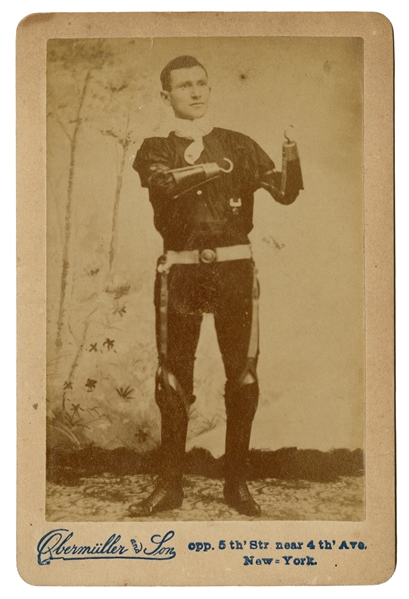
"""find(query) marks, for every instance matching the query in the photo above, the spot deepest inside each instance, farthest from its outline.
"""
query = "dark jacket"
(218, 212)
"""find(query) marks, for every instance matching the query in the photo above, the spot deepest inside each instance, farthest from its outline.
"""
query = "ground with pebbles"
(106, 498)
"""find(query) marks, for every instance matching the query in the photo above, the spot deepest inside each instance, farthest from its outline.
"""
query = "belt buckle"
(208, 256)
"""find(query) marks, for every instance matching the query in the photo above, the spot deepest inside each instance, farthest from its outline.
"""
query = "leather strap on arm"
(176, 182)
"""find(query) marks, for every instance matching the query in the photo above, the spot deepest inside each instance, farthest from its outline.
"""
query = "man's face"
(189, 94)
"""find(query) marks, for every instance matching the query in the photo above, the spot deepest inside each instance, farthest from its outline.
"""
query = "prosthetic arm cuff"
(285, 186)
(176, 182)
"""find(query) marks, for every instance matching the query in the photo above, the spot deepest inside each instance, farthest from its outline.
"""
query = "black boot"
(240, 409)
(237, 496)
(168, 492)
(167, 495)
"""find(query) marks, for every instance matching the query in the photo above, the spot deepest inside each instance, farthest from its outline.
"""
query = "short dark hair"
(181, 62)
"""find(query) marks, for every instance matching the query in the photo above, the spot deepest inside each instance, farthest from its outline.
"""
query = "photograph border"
(376, 562)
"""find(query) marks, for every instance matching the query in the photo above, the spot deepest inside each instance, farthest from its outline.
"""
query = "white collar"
(192, 129)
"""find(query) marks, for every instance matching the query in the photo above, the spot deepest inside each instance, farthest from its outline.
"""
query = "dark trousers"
(226, 289)
(230, 291)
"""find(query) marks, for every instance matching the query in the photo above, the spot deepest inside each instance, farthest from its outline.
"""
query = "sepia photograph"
(205, 354)
(206, 318)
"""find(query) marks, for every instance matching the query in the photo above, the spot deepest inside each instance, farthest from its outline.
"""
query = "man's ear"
(165, 98)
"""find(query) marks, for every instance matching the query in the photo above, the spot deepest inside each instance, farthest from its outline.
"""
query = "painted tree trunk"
(114, 231)
(68, 214)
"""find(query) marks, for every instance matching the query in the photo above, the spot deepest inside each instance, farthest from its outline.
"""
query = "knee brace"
(169, 394)
(241, 396)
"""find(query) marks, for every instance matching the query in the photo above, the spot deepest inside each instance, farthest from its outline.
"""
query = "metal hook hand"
(229, 170)
(289, 134)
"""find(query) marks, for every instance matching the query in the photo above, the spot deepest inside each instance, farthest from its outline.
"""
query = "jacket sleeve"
(153, 163)
(154, 166)
(272, 182)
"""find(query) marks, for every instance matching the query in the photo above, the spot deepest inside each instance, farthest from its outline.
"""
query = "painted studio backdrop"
(103, 100)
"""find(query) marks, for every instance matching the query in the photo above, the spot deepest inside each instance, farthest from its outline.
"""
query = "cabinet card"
(206, 308)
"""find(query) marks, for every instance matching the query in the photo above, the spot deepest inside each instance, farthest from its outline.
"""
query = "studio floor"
(105, 499)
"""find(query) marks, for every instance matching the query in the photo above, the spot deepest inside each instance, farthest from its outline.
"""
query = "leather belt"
(206, 256)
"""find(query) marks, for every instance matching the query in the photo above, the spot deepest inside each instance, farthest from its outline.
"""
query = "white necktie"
(194, 130)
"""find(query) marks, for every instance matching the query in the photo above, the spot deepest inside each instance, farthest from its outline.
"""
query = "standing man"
(201, 181)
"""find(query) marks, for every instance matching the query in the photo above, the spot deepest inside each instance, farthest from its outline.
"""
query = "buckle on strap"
(207, 256)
